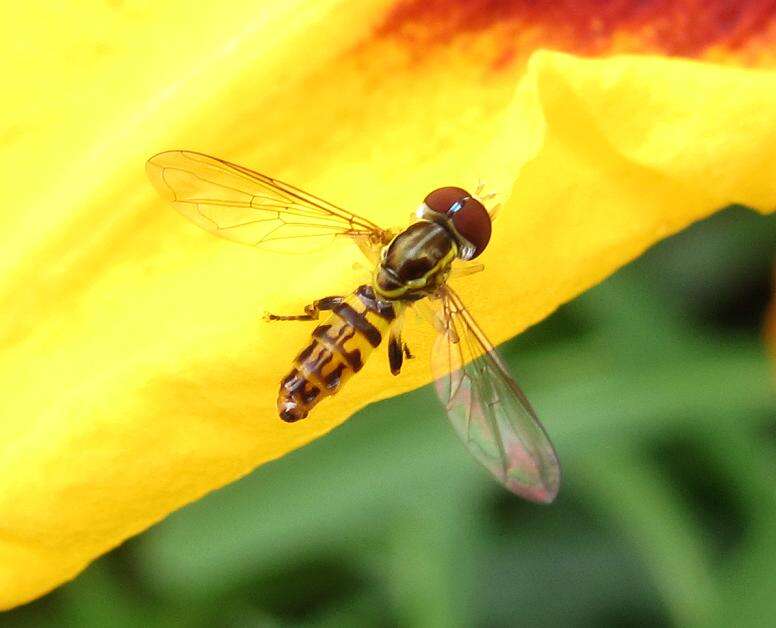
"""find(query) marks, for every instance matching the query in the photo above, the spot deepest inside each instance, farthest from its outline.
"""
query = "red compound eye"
(468, 215)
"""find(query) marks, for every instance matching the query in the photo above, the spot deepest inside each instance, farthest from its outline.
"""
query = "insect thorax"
(415, 263)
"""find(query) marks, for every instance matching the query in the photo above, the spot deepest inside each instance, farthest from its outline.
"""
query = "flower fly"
(411, 268)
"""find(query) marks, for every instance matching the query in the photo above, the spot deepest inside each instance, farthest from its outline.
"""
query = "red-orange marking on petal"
(719, 29)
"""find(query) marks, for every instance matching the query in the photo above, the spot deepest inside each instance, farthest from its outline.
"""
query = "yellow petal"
(137, 373)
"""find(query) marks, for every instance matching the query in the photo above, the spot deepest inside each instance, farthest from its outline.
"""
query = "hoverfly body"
(411, 268)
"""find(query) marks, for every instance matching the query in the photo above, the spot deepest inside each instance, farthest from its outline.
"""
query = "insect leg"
(311, 311)
(493, 211)
(395, 355)
(464, 270)
(407, 352)
(485, 197)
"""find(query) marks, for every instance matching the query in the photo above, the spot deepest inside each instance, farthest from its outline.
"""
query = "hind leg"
(311, 311)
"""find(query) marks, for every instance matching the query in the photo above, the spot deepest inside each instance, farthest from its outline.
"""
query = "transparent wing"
(239, 204)
(487, 408)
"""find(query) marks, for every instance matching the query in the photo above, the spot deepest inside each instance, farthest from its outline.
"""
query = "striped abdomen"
(339, 348)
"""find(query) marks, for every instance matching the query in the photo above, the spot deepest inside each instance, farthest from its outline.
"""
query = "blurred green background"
(660, 397)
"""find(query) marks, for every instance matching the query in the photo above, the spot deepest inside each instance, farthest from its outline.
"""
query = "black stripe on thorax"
(358, 322)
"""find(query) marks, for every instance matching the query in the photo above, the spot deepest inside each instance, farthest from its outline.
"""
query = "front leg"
(311, 311)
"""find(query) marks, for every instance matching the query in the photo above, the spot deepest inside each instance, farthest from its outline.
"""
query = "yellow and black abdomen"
(339, 348)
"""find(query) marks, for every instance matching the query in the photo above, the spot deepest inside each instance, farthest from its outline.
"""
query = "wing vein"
(245, 206)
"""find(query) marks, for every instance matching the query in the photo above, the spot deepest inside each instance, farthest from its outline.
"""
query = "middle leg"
(395, 352)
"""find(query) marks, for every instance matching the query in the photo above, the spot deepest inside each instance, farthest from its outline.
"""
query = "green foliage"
(660, 398)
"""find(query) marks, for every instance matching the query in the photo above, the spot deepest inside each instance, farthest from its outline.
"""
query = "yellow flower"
(137, 373)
